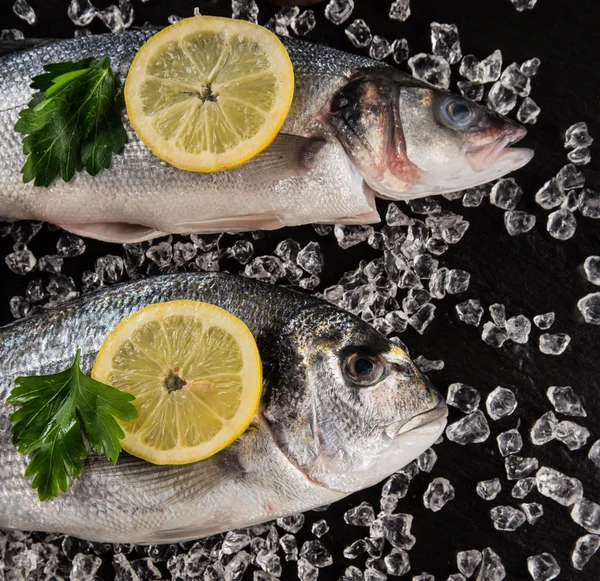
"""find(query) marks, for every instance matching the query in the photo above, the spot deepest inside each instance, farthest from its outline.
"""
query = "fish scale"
(261, 476)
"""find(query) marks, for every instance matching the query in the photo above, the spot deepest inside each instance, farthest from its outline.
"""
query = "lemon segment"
(207, 93)
(195, 372)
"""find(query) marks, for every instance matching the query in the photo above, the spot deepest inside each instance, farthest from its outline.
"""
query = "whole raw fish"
(330, 423)
(357, 128)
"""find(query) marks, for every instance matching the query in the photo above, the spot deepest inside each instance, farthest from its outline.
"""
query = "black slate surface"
(530, 274)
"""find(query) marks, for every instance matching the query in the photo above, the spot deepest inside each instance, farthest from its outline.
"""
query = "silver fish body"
(321, 432)
(356, 128)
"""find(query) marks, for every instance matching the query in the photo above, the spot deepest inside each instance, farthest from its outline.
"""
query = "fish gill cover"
(495, 284)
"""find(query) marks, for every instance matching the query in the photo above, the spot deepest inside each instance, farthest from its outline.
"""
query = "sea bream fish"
(342, 408)
(357, 129)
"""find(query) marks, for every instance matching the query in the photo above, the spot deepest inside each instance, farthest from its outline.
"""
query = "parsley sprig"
(72, 123)
(59, 417)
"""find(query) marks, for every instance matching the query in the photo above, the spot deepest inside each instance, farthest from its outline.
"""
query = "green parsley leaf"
(57, 415)
(72, 123)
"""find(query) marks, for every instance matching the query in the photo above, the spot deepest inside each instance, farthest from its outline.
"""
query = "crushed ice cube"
(594, 453)
(578, 136)
(397, 563)
(464, 397)
(533, 511)
(528, 111)
(472, 91)
(234, 570)
(427, 460)
(471, 429)
(531, 67)
(572, 435)
(559, 487)
(69, 245)
(432, 69)
(580, 156)
(470, 312)
(310, 258)
(542, 567)
(348, 236)
(507, 518)
(457, 281)
(445, 42)
(112, 18)
(518, 467)
(11, 34)
(543, 430)
(24, 11)
(161, 254)
(554, 343)
(438, 494)
(184, 252)
(400, 50)
(589, 307)
(359, 34)
(501, 99)
(51, 263)
(566, 401)
(269, 562)
(109, 268)
(290, 547)
(244, 10)
(35, 290)
(421, 318)
(427, 365)
(587, 515)
(21, 261)
(291, 524)
(492, 568)
(584, 550)
(485, 71)
(379, 48)
(338, 11)
(591, 266)
(361, 516)
(489, 489)
(400, 10)
(19, 307)
(518, 329)
(267, 268)
(589, 204)
(570, 177)
(517, 222)
(509, 442)
(146, 570)
(304, 23)
(500, 403)
(456, 577)
(423, 577)
(316, 554)
(468, 561)
(498, 314)
(319, 528)
(81, 12)
(544, 321)
(513, 78)
(506, 194)
(550, 195)
(395, 528)
(522, 488)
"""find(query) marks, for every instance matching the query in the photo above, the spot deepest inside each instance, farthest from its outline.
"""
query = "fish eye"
(457, 113)
(364, 370)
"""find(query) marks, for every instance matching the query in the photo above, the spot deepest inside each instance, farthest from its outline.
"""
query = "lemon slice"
(196, 375)
(207, 93)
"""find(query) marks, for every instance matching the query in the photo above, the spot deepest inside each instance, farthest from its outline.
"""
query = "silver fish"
(342, 408)
(357, 128)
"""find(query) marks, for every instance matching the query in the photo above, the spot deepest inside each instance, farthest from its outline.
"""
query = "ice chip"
(518, 329)
(19, 307)
(471, 429)
(566, 401)
(290, 547)
(468, 561)
(338, 11)
(244, 10)
(531, 67)
(470, 312)
(513, 78)
(522, 488)
(490, 67)
(310, 258)
(550, 195)
(266, 268)
(591, 267)
(359, 33)
(395, 528)
(506, 194)
(427, 460)
(69, 245)
(492, 568)
(589, 307)
(589, 203)
(123, 569)
(533, 511)
(109, 268)
(544, 321)
(422, 317)
(561, 224)
(528, 111)
(594, 453)
(542, 567)
(489, 489)
(500, 403)
(24, 11)
(426, 365)
(471, 90)
(445, 42)
(21, 261)
(51, 263)
(423, 577)
(587, 515)
(501, 99)
(544, 429)
(397, 563)
(554, 343)
(11, 34)
(269, 562)
(400, 50)
(509, 442)
(464, 397)
(348, 236)
(146, 570)
(355, 549)
(457, 281)
(432, 69)
(470, 69)
(584, 550)
(291, 524)
(559, 487)
(235, 569)
(161, 254)
(400, 10)
(578, 136)
(184, 252)
(304, 23)
(438, 494)
(380, 48)
(507, 518)
(316, 554)
(361, 516)
(572, 435)
(517, 222)
(35, 290)
(352, 573)
(518, 467)
(580, 156)
(319, 528)
(81, 12)
(569, 177)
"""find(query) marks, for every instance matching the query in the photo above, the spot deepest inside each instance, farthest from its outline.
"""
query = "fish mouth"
(424, 424)
(499, 155)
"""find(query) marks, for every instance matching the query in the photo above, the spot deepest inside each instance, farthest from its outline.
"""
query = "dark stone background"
(530, 274)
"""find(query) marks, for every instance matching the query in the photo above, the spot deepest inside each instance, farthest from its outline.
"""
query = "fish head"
(347, 406)
(408, 139)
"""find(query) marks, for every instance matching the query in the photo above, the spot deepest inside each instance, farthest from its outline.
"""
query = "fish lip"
(426, 422)
(500, 151)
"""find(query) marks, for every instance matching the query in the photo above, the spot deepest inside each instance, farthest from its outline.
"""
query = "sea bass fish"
(357, 129)
(342, 408)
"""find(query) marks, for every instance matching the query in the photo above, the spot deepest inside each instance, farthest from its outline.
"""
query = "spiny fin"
(232, 224)
(288, 155)
(113, 232)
